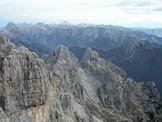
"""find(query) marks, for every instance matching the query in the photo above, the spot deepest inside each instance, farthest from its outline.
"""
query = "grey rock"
(94, 90)
(91, 90)
(23, 84)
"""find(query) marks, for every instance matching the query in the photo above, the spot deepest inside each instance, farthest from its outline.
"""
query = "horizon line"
(64, 22)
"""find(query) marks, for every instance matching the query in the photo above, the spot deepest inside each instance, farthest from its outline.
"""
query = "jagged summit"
(92, 60)
(62, 50)
(98, 91)
(63, 54)
(41, 26)
(4, 40)
(90, 55)
(11, 26)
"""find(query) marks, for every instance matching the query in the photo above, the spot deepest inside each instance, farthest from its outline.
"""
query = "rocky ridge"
(94, 90)
(90, 90)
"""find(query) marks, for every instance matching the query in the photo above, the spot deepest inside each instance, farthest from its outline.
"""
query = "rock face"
(94, 90)
(23, 85)
(90, 90)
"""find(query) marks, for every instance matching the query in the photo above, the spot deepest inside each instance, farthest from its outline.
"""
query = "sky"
(116, 12)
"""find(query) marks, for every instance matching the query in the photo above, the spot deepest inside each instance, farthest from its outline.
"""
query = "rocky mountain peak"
(63, 55)
(62, 50)
(11, 29)
(98, 91)
(11, 25)
(90, 55)
(41, 26)
(96, 64)
(4, 40)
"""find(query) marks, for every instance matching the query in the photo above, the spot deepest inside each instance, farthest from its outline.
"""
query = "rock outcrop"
(94, 90)
(90, 90)
(24, 84)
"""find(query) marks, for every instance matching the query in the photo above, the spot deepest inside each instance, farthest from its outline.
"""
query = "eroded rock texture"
(90, 90)
(94, 90)
(23, 84)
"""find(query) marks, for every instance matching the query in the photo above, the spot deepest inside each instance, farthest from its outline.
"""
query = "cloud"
(141, 6)
(135, 3)
(158, 9)
(90, 11)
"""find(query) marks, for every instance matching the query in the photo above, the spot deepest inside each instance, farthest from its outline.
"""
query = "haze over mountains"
(137, 51)
(75, 35)
(55, 67)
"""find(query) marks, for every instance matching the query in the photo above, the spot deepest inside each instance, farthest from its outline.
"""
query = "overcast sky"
(116, 12)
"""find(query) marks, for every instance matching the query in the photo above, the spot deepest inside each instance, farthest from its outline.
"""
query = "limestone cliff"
(90, 90)
(23, 85)
(94, 90)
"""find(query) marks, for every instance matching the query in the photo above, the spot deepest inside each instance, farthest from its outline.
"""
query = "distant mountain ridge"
(155, 31)
(141, 60)
(102, 37)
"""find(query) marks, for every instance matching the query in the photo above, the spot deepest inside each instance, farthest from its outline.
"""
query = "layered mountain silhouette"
(136, 51)
(65, 89)
(155, 31)
(101, 37)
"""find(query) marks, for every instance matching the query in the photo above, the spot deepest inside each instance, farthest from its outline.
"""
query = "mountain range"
(103, 37)
(62, 88)
(137, 51)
